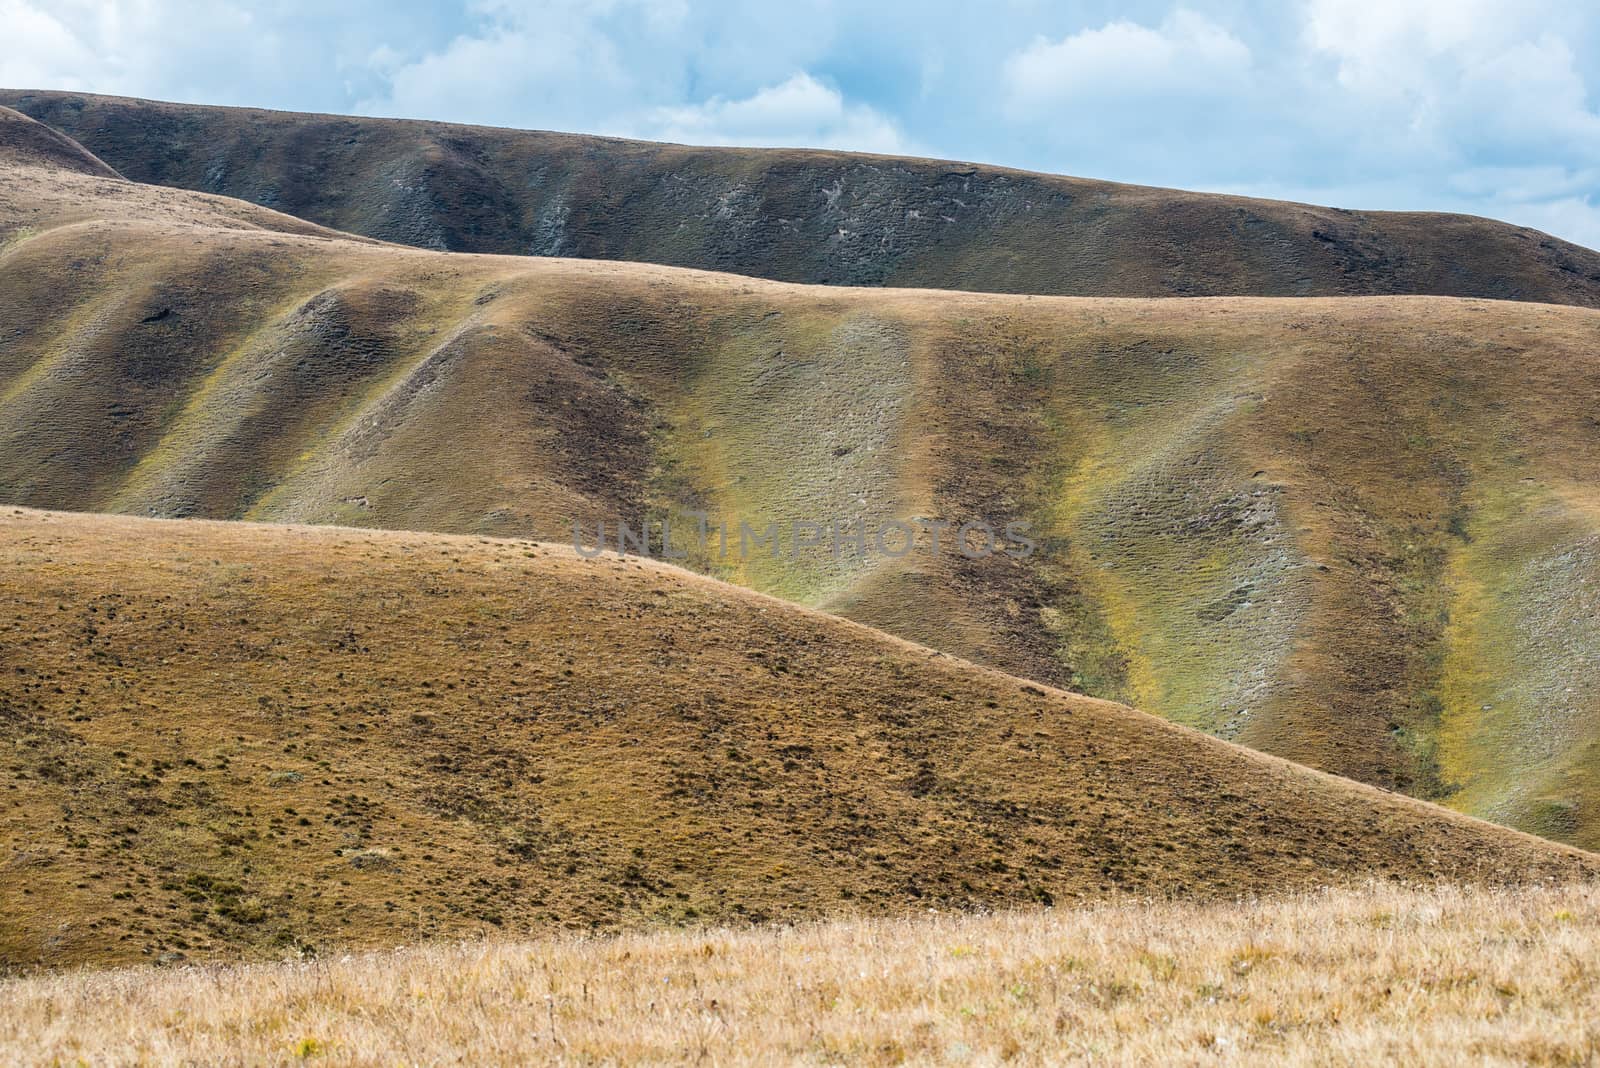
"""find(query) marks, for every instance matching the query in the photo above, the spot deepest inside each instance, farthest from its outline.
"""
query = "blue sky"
(1461, 105)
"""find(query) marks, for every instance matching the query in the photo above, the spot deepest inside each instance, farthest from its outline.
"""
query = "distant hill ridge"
(804, 216)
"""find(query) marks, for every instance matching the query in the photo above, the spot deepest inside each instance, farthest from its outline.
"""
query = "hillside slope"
(804, 216)
(1357, 533)
(240, 738)
(23, 140)
(52, 181)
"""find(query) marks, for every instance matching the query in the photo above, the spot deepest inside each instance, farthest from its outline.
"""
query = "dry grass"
(1335, 530)
(237, 740)
(1365, 976)
(51, 180)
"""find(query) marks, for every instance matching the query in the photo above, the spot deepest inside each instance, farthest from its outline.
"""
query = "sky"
(1479, 106)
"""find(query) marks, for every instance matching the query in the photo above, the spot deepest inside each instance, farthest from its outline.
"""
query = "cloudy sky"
(1481, 106)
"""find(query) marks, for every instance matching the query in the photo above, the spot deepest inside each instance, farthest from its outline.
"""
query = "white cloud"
(551, 64)
(1527, 97)
(595, 66)
(43, 50)
(799, 112)
(1383, 47)
(1459, 76)
(1186, 53)
(217, 51)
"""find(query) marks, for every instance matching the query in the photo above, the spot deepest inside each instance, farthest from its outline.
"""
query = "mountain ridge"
(807, 216)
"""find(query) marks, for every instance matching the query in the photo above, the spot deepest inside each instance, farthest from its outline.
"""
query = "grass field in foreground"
(1363, 976)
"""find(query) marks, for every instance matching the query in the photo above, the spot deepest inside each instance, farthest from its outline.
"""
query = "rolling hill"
(1357, 533)
(232, 738)
(52, 181)
(804, 216)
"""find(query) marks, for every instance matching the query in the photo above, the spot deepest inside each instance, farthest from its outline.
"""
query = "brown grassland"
(1431, 978)
(1360, 533)
(236, 739)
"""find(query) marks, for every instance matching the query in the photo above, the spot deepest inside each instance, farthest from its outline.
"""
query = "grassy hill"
(33, 144)
(1358, 533)
(52, 181)
(234, 738)
(804, 216)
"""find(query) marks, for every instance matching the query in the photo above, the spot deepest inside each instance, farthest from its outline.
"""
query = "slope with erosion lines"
(236, 739)
(1270, 519)
(805, 216)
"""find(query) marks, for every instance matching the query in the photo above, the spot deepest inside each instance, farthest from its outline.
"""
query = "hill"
(1357, 533)
(52, 181)
(234, 738)
(26, 141)
(804, 216)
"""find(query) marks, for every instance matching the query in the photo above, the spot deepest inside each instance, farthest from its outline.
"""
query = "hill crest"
(805, 215)
(24, 140)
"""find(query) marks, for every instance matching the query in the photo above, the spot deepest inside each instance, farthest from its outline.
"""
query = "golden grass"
(1373, 975)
